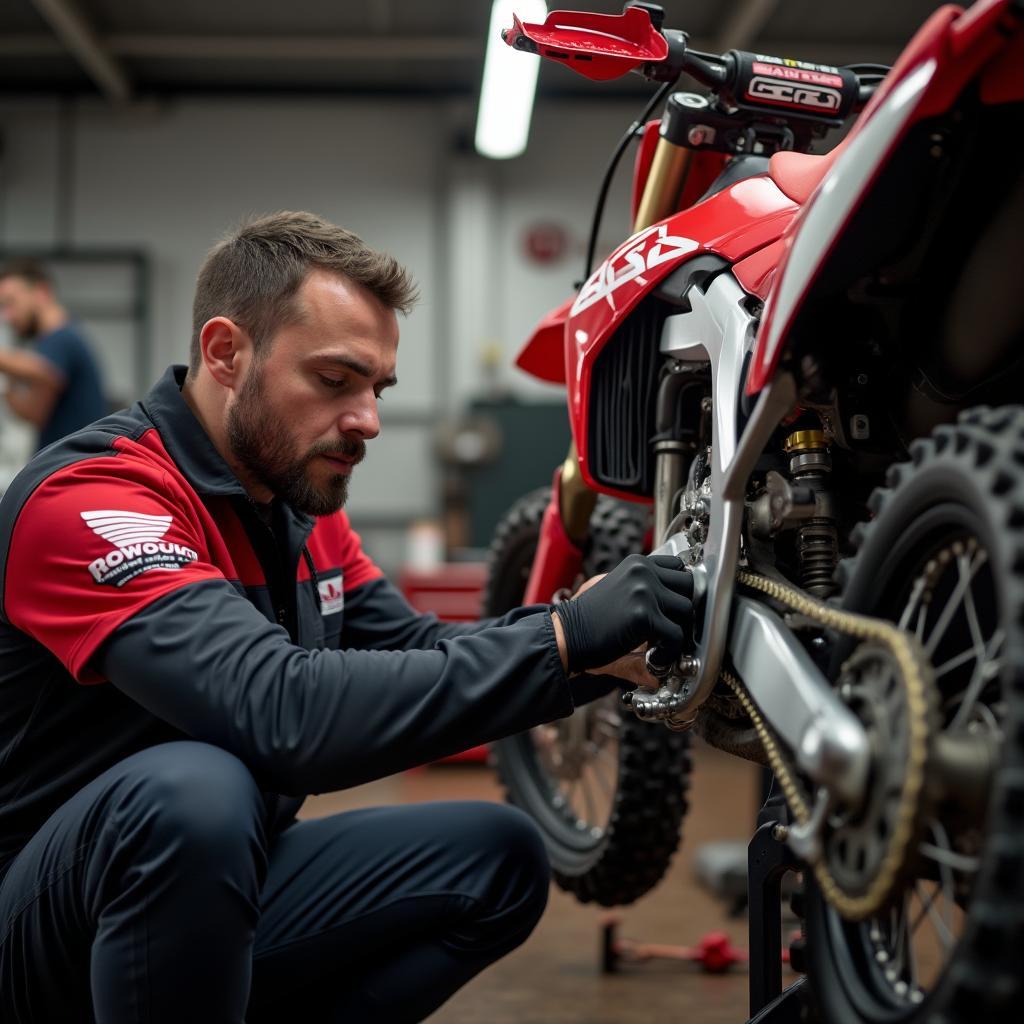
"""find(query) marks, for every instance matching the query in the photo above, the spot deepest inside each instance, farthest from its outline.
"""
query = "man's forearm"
(23, 400)
(306, 721)
(27, 366)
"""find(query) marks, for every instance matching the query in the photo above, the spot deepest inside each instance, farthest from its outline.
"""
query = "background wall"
(169, 177)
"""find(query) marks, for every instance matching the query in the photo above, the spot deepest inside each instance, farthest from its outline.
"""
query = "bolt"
(780, 833)
(862, 379)
(881, 957)
(627, 698)
(696, 135)
(688, 665)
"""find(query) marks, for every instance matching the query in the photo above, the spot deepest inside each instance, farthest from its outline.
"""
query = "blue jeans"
(155, 895)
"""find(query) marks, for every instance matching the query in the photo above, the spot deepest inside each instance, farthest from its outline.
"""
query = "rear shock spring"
(817, 545)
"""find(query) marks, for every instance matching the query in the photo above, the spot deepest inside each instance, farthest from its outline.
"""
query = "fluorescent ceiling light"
(510, 81)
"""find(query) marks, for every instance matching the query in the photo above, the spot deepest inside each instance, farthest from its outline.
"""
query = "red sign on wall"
(545, 242)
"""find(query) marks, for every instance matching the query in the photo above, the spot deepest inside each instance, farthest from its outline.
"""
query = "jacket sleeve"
(203, 659)
(378, 617)
(115, 571)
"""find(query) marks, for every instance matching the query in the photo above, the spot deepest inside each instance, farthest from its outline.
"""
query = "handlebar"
(607, 46)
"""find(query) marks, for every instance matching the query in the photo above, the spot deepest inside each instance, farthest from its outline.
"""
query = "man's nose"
(361, 417)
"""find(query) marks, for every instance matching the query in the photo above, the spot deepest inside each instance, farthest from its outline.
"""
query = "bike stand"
(768, 861)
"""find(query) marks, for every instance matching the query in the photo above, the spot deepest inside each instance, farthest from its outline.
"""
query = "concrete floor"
(555, 978)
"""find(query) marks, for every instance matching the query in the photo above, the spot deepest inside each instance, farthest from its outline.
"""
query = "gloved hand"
(641, 599)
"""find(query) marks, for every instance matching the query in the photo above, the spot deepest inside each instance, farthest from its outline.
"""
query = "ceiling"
(126, 49)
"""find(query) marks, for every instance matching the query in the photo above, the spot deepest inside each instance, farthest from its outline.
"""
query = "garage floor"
(555, 978)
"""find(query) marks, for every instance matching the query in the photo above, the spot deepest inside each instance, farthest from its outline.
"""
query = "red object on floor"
(454, 593)
(714, 954)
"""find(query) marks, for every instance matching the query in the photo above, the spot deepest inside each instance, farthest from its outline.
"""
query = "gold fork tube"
(577, 500)
(664, 183)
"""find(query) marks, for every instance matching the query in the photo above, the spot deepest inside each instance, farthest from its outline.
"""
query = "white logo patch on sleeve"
(138, 543)
(332, 596)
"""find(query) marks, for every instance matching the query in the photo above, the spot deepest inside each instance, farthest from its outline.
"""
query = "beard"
(263, 444)
(27, 328)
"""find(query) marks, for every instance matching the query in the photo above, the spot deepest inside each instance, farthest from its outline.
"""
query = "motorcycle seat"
(798, 174)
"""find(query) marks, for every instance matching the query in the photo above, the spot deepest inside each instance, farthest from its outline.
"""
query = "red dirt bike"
(803, 375)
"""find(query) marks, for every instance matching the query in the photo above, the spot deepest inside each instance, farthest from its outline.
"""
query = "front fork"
(563, 532)
(566, 524)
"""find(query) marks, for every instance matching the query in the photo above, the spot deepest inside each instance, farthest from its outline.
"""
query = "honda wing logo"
(633, 259)
(138, 545)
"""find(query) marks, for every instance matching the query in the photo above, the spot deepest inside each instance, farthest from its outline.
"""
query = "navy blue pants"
(154, 896)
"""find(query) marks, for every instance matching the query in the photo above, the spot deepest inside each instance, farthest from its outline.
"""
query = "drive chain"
(915, 674)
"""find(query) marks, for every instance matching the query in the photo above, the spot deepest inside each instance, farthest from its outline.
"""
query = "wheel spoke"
(588, 800)
(945, 872)
(938, 923)
(607, 787)
(922, 618)
(985, 670)
(908, 959)
(915, 596)
(607, 761)
(571, 795)
(977, 638)
(961, 659)
(952, 859)
(966, 575)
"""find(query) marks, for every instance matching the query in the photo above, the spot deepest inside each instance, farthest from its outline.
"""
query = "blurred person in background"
(55, 383)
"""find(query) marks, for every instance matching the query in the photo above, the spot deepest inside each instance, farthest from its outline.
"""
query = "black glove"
(641, 599)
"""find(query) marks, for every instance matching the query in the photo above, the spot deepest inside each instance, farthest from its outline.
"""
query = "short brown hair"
(28, 270)
(253, 274)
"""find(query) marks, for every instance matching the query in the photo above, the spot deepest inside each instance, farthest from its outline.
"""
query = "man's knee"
(192, 802)
(520, 872)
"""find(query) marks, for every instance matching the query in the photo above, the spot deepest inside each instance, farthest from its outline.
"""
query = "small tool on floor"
(713, 954)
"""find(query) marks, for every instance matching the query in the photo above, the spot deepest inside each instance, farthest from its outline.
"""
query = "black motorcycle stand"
(768, 860)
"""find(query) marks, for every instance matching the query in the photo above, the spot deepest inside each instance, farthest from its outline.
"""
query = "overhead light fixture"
(510, 81)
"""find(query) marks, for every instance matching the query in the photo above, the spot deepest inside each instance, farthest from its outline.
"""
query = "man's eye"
(331, 382)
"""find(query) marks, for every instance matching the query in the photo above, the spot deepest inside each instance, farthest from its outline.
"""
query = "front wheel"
(944, 559)
(607, 791)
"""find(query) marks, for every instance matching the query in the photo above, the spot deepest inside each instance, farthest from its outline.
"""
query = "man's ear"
(227, 351)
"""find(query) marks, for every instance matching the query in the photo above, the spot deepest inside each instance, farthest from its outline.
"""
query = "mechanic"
(192, 639)
(55, 385)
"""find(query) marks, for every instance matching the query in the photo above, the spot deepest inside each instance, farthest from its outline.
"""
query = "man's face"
(303, 414)
(19, 305)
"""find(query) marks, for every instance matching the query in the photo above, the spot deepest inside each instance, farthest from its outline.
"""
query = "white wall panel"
(170, 178)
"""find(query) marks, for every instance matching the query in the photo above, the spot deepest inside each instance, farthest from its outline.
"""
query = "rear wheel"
(607, 790)
(944, 558)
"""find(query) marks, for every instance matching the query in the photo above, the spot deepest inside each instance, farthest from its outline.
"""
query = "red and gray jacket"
(146, 598)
